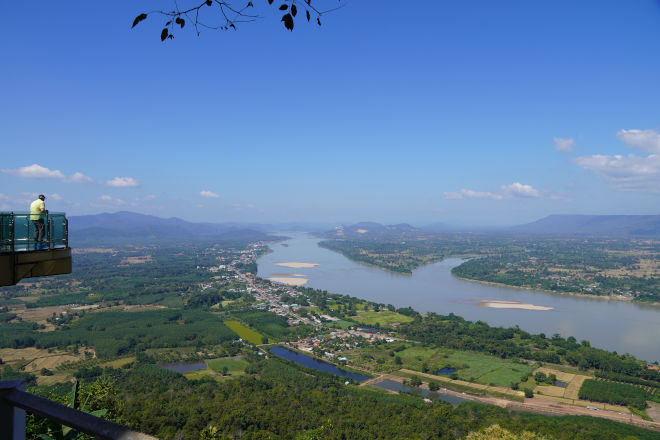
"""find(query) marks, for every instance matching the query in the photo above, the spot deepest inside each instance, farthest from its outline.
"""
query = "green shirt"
(36, 209)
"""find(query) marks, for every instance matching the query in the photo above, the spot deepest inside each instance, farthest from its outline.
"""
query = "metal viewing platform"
(23, 256)
(14, 402)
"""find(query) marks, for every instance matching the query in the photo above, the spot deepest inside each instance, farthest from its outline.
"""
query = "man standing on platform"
(37, 214)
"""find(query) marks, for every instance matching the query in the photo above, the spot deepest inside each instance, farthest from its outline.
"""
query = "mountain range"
(126, 226)
(614, 225)
(129, 226)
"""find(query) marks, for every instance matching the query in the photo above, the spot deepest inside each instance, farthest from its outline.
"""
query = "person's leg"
(40, 231)
(36, 226)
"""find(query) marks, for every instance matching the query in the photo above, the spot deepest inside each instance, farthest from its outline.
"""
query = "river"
(618, 326)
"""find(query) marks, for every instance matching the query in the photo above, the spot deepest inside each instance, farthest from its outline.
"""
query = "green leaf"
(284, 7)
(99, 412)
(73, 397)
(288, 21)
(138, 19)
(308, 16)
(209, 2)
(270, 2)
(163, 34)
(294, 10)
(180, 21)
(318, 20)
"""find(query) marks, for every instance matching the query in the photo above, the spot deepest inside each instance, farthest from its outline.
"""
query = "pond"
(184, 367)
(401, 388)
(310, 362)
(446, 370)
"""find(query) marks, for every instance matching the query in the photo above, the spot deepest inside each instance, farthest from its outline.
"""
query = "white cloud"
(631, 172)
(242, 207)
(470, 194)
(55, 196)
(3, 197)
(517, 189)
(36, 171)
(208, 194)
(565, 145)
(112, 200)
(123, 182)
(644, 140)
(78, 178)
(626, 173)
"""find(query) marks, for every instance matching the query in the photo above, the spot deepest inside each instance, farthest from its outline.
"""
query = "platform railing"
(14, 402)
(19, 231)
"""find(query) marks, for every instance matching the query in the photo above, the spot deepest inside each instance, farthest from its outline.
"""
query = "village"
(269, 297)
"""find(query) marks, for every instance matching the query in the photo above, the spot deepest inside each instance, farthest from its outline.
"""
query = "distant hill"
(613, 225)
(127, 226)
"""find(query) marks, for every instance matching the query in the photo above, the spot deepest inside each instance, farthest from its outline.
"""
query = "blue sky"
(462, 112)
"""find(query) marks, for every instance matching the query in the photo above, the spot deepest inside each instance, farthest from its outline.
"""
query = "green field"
(245, 333)
(340, 324)
(385, 318)
(235, 366)
(470, 366)
(489, 369)
(198, 374)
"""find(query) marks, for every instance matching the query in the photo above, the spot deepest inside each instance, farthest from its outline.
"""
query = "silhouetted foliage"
(227, 14)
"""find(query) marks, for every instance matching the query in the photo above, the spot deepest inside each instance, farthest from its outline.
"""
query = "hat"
(42, 197)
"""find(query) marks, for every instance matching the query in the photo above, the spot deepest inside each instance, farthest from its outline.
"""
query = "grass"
(245, 333)
(478, 390)
(470, 366)
(235, 366)
(488, 369)
(118, 363)
(340, 324)
(198, 374)
(385, 318)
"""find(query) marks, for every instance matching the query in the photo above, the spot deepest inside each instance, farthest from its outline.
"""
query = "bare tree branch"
(227, 15)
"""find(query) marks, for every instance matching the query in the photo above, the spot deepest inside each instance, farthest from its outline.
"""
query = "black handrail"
(12, 397)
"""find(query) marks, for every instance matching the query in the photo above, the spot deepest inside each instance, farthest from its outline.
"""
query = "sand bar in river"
(289, 281)
(297, 265)
(495, 304)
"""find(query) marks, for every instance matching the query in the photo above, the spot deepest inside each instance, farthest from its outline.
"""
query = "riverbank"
(555, 292)
(433, 288)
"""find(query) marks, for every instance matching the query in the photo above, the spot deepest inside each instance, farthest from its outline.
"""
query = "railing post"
(12, 232)
(48, 231)
(12, 418)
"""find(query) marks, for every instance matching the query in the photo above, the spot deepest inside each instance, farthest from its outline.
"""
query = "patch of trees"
(279, 400)
(630, 379)
(115, 333)
(614, 393)
(452, 331)
(267, 323)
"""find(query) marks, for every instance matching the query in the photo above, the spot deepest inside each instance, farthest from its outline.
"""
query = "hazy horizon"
(472, 113)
